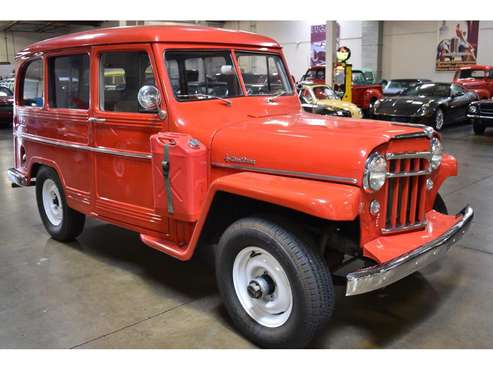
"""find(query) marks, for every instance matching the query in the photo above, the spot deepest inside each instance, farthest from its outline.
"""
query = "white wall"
(294, 37)
(409, 49)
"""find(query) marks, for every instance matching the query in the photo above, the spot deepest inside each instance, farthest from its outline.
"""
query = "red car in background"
(6, 105)
(477, 78)
(364, 93)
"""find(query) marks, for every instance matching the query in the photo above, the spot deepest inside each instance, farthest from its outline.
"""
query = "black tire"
(440, 205)
(72, 222)
(308, 275)
(436, 121)
(478, 128)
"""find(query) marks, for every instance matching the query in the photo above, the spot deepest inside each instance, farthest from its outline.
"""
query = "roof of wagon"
(158, 33)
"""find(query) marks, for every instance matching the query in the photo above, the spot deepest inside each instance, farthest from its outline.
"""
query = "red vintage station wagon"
(194, 138)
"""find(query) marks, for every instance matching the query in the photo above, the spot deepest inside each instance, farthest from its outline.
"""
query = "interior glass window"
(199, 75)
(69, 81)
(264, 74)
(5, 92)
(122, 74)
(324, 92)
(32, 85)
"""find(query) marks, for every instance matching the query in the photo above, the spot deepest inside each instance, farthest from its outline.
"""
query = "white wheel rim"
(274, 307)
(52, 202)
(439, 120)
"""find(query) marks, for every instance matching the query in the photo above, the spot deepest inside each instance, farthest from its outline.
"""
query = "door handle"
(96, 120)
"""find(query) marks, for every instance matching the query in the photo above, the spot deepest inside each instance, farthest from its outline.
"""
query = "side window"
(69, 81)
(32, 85)
(490, 74)
(122, 74)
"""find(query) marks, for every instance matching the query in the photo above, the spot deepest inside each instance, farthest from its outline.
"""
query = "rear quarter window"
(32, 84)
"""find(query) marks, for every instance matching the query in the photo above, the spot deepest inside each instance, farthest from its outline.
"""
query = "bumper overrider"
(379, 276)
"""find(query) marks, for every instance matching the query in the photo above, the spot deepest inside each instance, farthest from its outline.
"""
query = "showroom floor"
(107, 290)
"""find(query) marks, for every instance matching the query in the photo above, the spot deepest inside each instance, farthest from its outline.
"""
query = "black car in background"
(398, 86)
(432, 104)
(481, 115)
(6, 105)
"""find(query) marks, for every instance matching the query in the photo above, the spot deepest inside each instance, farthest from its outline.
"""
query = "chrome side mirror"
(150, 99)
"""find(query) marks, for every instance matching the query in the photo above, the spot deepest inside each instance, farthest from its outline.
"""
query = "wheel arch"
(245, 194)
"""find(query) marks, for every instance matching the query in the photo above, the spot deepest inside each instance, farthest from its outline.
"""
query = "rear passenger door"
(121, 135)
(68, 77)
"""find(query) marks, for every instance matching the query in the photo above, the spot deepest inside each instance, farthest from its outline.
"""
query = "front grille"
(406, 191)
(486, 110)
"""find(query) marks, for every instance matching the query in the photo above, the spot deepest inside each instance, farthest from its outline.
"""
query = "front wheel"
(478, 128)
(277, 291)
(62, 222)
(438, 119)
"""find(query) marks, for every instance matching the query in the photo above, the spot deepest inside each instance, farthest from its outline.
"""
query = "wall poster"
(457, 44)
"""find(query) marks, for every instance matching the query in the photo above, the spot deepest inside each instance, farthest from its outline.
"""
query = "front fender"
(371, 94)
(330, 201)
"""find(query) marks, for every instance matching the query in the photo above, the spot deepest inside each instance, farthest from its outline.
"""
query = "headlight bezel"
(473, 109)
(436, 153)
(375, 161)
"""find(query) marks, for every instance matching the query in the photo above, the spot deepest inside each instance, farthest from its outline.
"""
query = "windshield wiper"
(280, 93)
(198, 95)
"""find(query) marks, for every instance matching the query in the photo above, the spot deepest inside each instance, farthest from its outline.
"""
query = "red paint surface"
(276, 135)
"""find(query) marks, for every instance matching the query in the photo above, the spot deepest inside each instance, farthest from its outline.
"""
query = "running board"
(166, 246)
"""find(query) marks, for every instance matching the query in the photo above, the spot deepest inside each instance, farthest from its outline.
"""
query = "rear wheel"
(62, 222)
(277, 291)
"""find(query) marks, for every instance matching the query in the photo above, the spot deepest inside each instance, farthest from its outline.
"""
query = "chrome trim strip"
(408, 124)
(97, 149)
(480, 117)
(404, 228)
(391, 175)
(425, 155)
(379, 276)
(273, 171)
(427, 132)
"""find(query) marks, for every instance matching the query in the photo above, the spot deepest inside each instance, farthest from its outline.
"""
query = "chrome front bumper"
(379, 276)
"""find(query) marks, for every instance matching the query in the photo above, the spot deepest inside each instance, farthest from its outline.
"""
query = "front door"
(459, 103)
(123, 189)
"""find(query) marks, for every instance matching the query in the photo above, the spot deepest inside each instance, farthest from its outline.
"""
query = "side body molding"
(331, 201)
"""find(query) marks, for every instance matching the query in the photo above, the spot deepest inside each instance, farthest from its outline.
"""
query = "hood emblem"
(238, 159)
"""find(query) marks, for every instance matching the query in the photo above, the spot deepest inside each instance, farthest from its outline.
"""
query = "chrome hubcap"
(262, 287)
(52, 202)
(439, 120)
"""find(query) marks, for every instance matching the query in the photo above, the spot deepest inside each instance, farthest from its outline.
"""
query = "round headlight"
(436, 153)
(375, 173)
(473, 109)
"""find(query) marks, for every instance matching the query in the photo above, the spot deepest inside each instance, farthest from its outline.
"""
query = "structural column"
(330, 50)
(372, 46)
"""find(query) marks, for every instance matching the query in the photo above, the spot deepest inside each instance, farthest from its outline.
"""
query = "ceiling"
(44, 26)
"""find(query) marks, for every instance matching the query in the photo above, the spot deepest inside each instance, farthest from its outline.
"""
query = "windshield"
(442, 90)
(263, 74)
(324, 92)
(472, 73)
(199, 75)
(359, 78)
(400, 84)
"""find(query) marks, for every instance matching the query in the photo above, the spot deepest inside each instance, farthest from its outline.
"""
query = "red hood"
(303, 142)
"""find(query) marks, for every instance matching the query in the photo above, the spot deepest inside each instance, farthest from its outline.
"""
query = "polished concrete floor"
(107, 290)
